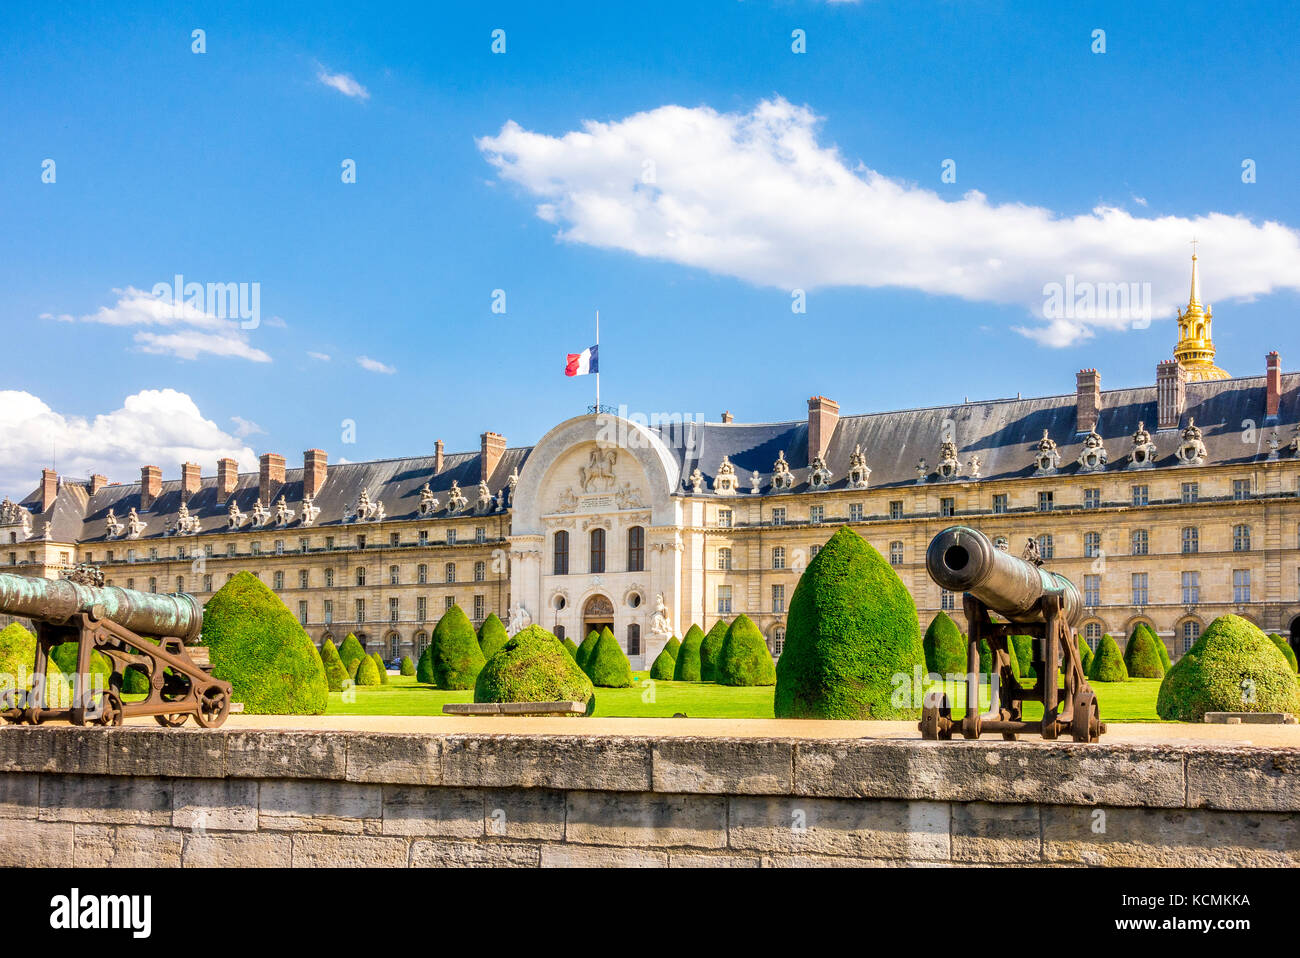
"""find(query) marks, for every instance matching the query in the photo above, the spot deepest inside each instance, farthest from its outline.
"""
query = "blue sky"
(675, 165)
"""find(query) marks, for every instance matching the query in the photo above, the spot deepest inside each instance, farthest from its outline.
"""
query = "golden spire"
(1195, 349)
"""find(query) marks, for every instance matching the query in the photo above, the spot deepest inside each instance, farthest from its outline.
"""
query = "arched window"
(560, 551)
(421, 643)
(1241, 538)
(597, 556)
(1092, 634)
(634, 640)
(636, 549)
(778, 557)
(361, 575)
(1191, 632)
(778, 640)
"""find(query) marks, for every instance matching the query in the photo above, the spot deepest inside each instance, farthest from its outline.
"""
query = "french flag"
(579, 364)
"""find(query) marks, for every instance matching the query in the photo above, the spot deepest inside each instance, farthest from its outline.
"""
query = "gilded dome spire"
(1195, 349)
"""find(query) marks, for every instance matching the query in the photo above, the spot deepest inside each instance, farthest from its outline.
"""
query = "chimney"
(823, 414)
(1171, 393)
(493, 445)
(314, 465)
(1087, 403)
(1273, 377)
(150, 485)
(189, 479)
(437, 457)
(227, 478)
(270, 476)
(97, 482)
(726, 416)
(49, 488)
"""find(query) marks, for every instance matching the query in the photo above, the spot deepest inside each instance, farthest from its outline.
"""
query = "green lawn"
(1131, 701)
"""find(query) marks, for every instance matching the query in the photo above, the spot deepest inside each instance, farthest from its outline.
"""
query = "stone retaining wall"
(140, 796)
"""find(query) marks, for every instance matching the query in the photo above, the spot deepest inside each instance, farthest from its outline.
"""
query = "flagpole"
(597, 362)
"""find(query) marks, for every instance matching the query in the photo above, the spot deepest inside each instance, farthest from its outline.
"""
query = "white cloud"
(322, 357)
(159, 427)
(755, 196)
(246, 427)
(375, 366)
(343, 82)
(197, 332)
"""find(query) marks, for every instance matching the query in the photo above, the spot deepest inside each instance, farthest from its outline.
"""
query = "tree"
(1284, 647)
(381, 666)
(687, 666)
(744, 658)
(608, 666)
(367, 672)
(533, 666)
(407, 667)
(1233, 667)
(1085, 654)
(852, 626)
(335, 673)
(1108, 663)
(1141, 659)
(945, 646)
(584, 651)
(424, 668)
(491, 635)
(455, 655)
(351, 652)
(709, 650)
(664, 666)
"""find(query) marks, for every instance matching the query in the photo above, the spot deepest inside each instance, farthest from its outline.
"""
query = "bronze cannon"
(140, 630)
(1031, 601)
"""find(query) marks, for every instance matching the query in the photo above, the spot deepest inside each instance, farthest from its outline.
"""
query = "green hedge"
(351, 652)
(256, 644)
(1141, 658)
(1085, 654)
(851, 627)
(687, 666)
(944, 646)
(17, 655)
(533, 666)
(368, 672)
(588, 646)
(407, 666)
(664, 666)
(491, 636)
(456, 655)
(608, 666)
(1108, 663)
(335, 672)
(709, 650)
(1233, 667)
(424, 667)
(1024, 646)
(1288, 653)
(744, 658)
(381, 665)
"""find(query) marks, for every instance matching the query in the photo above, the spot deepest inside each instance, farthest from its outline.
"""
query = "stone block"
(237, 850)
(394, 758)
(601, 856)
(1245, 779)
(19, 795)
(646, 820)
(691, 859)
(910, 831)
(269, 753)
(524, 813)
(430, 810)
(127, 846)
(298, 805)
(989, 834)
(723, 766)
(106, 799)
(338, 851)
(438, 854)
(224, 804)
(536, 761)
(175, 753)
(28, 844)
(53, 748)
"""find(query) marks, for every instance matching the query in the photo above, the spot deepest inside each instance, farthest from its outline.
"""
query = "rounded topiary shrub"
(256, 644)
(1284, 647)
(1233, 667)
(1024, 647)
(686, 667)
(351, 652)
(1108, 662)
(1141, 659)
(673, 645)
(335, 672)
(709, 650)
(424, 667)
(744, 658)
(588, 646)
(1085, 654)
(455, 652)
(381, 665)
(17, 656)
(407, 667)
(608, 666)
(945, 646)
(491, 635)
(533, 666)
(664, 666)
(851, 628)
(367, 672)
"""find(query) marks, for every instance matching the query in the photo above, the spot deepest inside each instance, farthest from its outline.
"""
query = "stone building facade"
(1168, 504)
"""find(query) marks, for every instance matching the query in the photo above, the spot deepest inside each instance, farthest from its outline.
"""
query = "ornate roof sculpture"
(309, 510)
(697, 481)
(261, 514)
(724, 483)
(1093, 456)
(1191, 451)
(428, 501)
(819, 477)
(1048, 459)
(485, 498)
(186, 524)
(456, 501)
(973, 466)
(948, 467)
(1143, 453)
(922, 471)
(859, 471)
(782, 477)
(234, 518)
(134, 524)
(1195, 349)
(112, 525)
(283, 514)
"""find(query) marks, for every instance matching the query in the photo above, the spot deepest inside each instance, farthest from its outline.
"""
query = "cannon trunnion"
(1043, 605)
(132, 629)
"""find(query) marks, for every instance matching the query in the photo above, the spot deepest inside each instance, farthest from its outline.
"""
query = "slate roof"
(1004, 433)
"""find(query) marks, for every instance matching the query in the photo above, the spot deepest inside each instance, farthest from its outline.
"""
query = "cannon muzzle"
(177, 615)
(961, 559)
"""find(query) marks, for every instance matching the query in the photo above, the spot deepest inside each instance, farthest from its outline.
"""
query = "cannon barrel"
(961, 559)
(177, 615)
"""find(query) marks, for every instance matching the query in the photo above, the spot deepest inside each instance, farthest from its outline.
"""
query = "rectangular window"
(447, 602)
(302, 611)
(450, 570)
(812, 552)
(1139, 588)
(1191, 588)
(1191, 540)
(1241, 586)
(855, 512)
(421, 608)
(1241, 538)
(1140, 496)
(1091, 545)
(1047, 546)
(480, 571)
(947, 600)
(329, 545)
(778, 557)
(328, 612)
(636, 549)
(394, 538)
(394, 575)
(896, 553)
(480, 534)
(1241, 488)
(1000, 502)
(1141, 541)
(423, 536)
(778, 516)
(329, 578)
(724, 559)
(1046, 500)
(393, 613)
(207, 583)
(277, 582)
(302, 545)
(1191, 491)
(815, 513)
(279, 547)
(361, 610)
(1092, 590)
(1092, 498)
(947, 506)
(724, 518)
(896, 508)
(480, 608)
(778, 598)
(361, 542)
(451, 537)
(422, 573)
(724, 600)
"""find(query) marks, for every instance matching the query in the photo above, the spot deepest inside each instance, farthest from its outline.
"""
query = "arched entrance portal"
(597, 614)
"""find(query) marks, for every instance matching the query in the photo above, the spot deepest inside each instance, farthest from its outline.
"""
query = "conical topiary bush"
(851, 628)
(1085, 654)
(1141, 659)
(381, 665)
(455, 653)
(945, 646)
(533, 666)
(1108, 663)
(1024, 646)
(1284, 647)
(570, 648)
(1233, 667)
(664, 666)
(350, 652)
(491, 635)
(335, 673)
(368, 672)
(673, 645)
(406, 667)
(709, 650)
(686, 668)
(608, 666)
(256, 644)
(424, 667)
(744, 658)
(584, 651)
(1163, 651)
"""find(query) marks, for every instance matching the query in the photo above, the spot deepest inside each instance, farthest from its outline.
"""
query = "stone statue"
(922, 471)
(724, 483)
(1093, 455)
(1144, 450)
(134, 524)
(234, 518)
(456, 501)
(309, 510)
(598, 474)
(755, 483)
(659, 624)
(1274, 444)
(1191, 452)
(1048, 458)
(1031, 553)
(568, 501)
(428, 501)
(1295, 441)
(782, 477)
(697, 480)
(261, 514)
(112, 525)
(628, 498)
(973, 466)
(519, 619)
(283, 514)
(949, 466)
(485, 498)
(859, 471)
(186, 524)
(819, 477)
